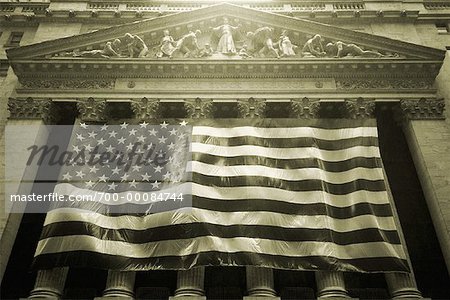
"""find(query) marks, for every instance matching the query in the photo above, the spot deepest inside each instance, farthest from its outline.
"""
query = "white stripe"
(212, 243)
(288, 132)
(195, 215)
(286, 174)
(286, 153)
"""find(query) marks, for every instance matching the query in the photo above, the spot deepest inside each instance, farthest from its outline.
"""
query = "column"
(259, 283)
(120, 284)
(330, 284)
(402, 286)
(49, 283)
(190, 283)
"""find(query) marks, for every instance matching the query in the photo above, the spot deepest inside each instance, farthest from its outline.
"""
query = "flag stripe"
(194, 230)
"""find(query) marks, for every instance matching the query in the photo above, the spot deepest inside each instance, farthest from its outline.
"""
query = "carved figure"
(341, 49)
(166, 47)
(136, 46)
(285, 45)
(262, 40)
(243, 52)
(226, 42)
(187, 44)
(206, 51)
(314, 47)
(106, 52)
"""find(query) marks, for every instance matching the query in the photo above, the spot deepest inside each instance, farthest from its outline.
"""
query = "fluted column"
(120, 284)
(259, 282)
(190, 283)
(330, 284)
(402, 286)
(49, 283)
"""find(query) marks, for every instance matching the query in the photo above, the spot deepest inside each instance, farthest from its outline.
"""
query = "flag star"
(90, 183)
(166, 176)
(93, 169)
(67, 176)
(89, 148)
(130, 146)
(121, 140)
(124, 177)
(156, 184)
(158, 169)
(110, 148)
(112, 134)
(80, 137)
(92, 134)
(133, 131)
(115, 170)
(76, 149)
(124, 125)
(83, 125)
(143, 124)
(141, 139)
(136, 168)
(171, 146)
(173, 131)
(112, 186)
(153, 132)
(133, 183)
(104, 127)
(162, 139)
(97, 156)
(181, 135)
(184, 123)
(101, 141)
(103, 178)
(148, 146)
(164, 124)
(146, 177)
(80, 174)
(139, 151)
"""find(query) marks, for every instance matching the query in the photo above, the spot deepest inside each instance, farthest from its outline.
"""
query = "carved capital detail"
(67, 84)
(423, 109)
(145, 109)
(305, 108)
(32, 109)
(350, 84)
(359, 108)
(92, 110)
(251, 108)
(198, 108)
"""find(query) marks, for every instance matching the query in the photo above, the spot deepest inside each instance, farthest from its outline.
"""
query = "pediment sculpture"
(229, 41)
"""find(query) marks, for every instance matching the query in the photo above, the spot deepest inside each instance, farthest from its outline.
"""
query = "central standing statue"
(226, 42)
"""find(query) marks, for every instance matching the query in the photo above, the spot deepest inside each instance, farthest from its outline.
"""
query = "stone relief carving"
(32, 109)
(305, 108)
(226, 42)
(92, 110)
(199, 108)
(67, 84)
(423, 109)
(145, 109)
(261, 42)
(349, 84)
(251, 108)
(166, 46)
(359, 108)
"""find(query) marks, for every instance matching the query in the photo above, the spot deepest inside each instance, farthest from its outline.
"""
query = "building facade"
(65, 61)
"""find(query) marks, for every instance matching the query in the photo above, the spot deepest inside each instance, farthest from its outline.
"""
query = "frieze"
(199, 108)
(92, 110)
(359, 108)
(32, 109)
(67, 84)
(251, 108)
(145, 109)
(350, 84)
(305, 108)
(422, 109)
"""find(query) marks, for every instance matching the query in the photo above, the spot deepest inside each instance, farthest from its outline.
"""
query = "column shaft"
(402, 286)
(49, 283)
(330, 284)
(120, 284)
(190, 282)
(260, 282)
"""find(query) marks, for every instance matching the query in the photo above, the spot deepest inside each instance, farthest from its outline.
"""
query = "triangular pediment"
(249, 34)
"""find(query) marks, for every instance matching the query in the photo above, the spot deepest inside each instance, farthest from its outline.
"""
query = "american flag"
(278, 193)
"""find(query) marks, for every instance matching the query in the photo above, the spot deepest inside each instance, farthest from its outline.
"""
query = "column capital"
(199, 108)
(360, 108)
(120, 284)
(92, 110)
(190, 283)
(422, 109)
(305, 108)
(251, 108)
(49, 283)
(145, 109)
(30, 108)
(260, 283)
(330, 284)
(402, 286)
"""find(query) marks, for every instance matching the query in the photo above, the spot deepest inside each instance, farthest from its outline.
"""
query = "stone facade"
(60, 65)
